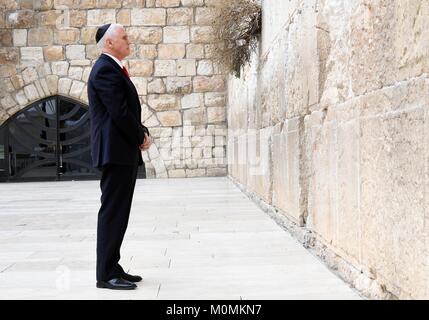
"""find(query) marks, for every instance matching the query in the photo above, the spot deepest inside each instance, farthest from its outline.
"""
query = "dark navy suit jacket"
(115, 116)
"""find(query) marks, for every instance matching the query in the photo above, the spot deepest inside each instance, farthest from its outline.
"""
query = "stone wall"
(328, 127)
(48, 48)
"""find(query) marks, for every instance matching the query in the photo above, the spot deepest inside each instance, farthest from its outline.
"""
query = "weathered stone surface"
(124, 17)
(147, 52)
(145, 35)
(60, 68)
(20, 19)
(207, 84)
(194, 100)
(205, 68)
(202, 35)
(140, 68)
(179, 16)
(156, 86)
(179, 34)
(134, 3)
(167, 3)
(75, 52)
(171, 51)
(68, 36)
(170, 118)
(186, 67)
(163, 102)
(53, 53)
(87, 35)
(205, 16)
(98, 17)
(214, 99)
(195, 51)
(195, 116)
(192, 3)
(64, 85)
(9, 56)
(77, 18)
(165, 68)
(216, 114)
(179, 85)
(76, 89)
(5, 38)
(29, 75)
(19, 37)
(148, 17)
(31, 55)
(286, 169)
(75, 73)
(49, 18)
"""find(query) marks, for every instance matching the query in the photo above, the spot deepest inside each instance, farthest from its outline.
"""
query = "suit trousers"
(117, 189)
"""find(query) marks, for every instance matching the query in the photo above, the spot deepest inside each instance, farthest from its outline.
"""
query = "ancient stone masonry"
(48, 48)
(328, 128)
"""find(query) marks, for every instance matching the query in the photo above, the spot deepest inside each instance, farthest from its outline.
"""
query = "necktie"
(125, 71)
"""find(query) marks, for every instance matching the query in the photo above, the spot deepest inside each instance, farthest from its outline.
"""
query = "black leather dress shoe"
(116, 284)
(131, 278)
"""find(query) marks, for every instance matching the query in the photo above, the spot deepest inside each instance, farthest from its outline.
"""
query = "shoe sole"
(102, 286)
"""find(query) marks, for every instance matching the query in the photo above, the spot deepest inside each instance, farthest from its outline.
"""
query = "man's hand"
(147, 142)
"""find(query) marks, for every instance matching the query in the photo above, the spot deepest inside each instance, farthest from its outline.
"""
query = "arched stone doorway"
(48, 140)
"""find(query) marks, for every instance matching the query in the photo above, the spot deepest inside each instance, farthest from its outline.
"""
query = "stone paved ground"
(189, 238)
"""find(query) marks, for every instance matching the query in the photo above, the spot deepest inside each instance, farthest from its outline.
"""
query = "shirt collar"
(115, 59)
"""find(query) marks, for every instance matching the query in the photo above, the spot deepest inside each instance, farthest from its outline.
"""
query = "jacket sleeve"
(109, 88)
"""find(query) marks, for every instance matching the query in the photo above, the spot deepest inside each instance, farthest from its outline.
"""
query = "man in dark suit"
(117, 139)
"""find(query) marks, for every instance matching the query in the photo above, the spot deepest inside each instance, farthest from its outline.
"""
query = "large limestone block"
(145, 35)
(334, 49)
(40, 36)
(412, 38)
(275, 15)
(165, 68)
(302, 71)
(272, 85)
(348, 180)
(259, 158)
(21, 19)
(240, 158)
(170, 118)
(148, 17)
(393, 178)
(31, 56)
(176, 34)
(11, 55)
(171, 51)
(163, 102)
(68, 36)
(195, 116)
(19, 37)
(53, 53)
(141, 68)
(323, 188)
(372, 56)
(179, 16)
(286, 169)
(98, 17)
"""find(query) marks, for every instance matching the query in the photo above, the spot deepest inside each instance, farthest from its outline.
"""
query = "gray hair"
(109, 34)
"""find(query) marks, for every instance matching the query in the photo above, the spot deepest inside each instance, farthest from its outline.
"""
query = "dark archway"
(48, 140)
